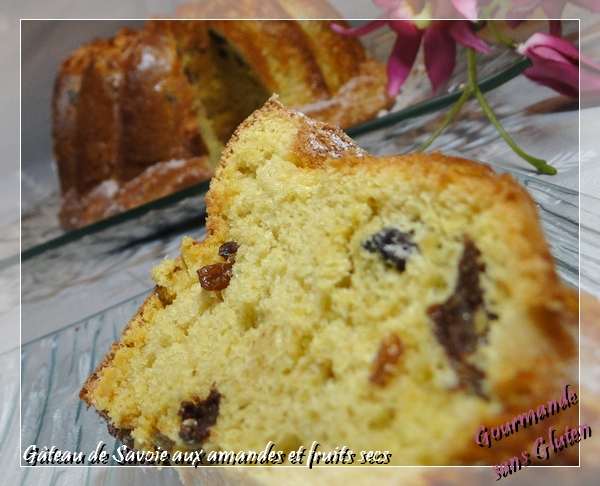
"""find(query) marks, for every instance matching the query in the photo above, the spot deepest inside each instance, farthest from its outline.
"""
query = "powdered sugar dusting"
(148, 60)
(333, 147)
(106, 189)
(326, 141)
(162, 167)
(174, 163)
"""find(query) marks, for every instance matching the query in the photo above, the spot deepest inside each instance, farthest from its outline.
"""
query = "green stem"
(541, 165)
(472, 68)
(508, 42)
(455, 109)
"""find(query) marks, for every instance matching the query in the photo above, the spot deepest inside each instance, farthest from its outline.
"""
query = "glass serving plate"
(54, 367)
(40, 230)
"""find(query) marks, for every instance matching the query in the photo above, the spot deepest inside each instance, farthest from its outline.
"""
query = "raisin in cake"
(382, 304)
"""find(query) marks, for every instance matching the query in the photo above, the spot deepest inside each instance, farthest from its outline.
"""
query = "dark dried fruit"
(163, 295)
(470, 377)
(394, 246)
(454, 320)
(454, 323)
(228, 249)
(197, 417)
(215, 277)
(384, 365)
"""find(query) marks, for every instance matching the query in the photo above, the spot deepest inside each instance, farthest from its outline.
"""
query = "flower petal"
(403, 56)
(463, 32)
(561, 86)
(403, 27)
(554, 71)
(395, 9)
(558, 65)
(555, 28)
(553, 8)
(440, 53)
(358, 31)
(541, 43)
(546, 53)
(467, 8)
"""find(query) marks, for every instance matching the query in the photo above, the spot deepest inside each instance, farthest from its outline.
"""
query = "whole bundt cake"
(388, 305)
(174, 92)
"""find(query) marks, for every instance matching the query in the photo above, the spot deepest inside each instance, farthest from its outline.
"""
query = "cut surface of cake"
(380, 304)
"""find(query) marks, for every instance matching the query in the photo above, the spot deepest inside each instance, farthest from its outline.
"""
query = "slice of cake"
(390, 304)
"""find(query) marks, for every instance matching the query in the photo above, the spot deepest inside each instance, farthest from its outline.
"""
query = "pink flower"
(439, 45)
(556, 65)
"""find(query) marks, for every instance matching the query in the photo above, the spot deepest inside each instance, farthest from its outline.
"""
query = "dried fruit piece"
(384, 365)
(197, 417)
(163, 295)
(454, 324)
(228, 249)
(394, 246)
(470, 377)
(454, 320)
(215, 277)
